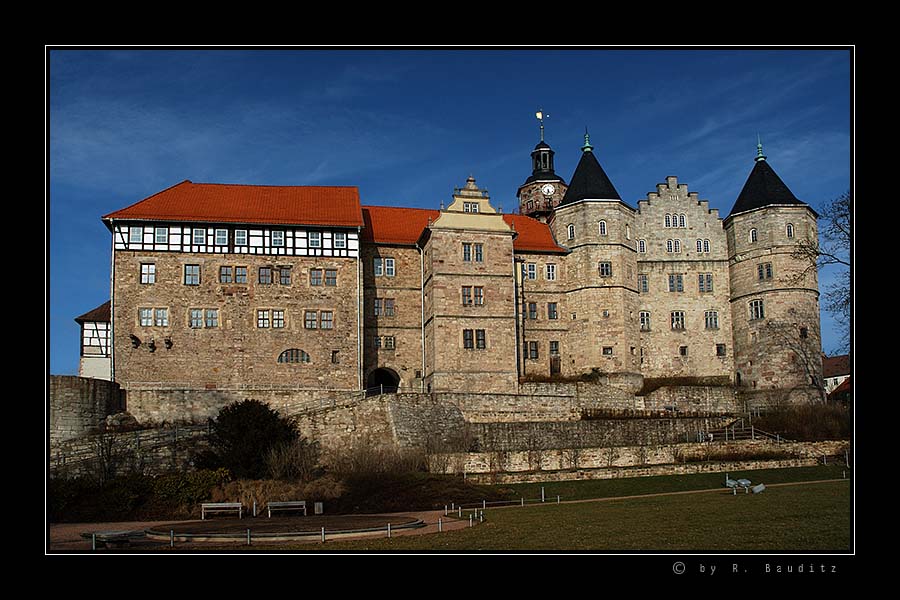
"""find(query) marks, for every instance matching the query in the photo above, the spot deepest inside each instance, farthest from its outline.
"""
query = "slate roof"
(763, 188)
(589, 182)
(98, 315)
(262, 204)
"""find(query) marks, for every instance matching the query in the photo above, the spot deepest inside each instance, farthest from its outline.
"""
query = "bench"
(214, 507)
(293, 505)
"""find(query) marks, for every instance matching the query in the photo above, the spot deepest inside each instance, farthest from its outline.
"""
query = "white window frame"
(757, 310)
(644, 319)
(340, 239)
(682, 222)
(642, 246)
(669, 245)
(706, 246)
(677, 246)
(601, 226)
(668, 220)
(161, 235)
(221, 237)
(161, 317)
(145, 317)
(389, 267)
(135, 239)
(195, 319)
(754, 235)
(699, 246)
(570, 231)
(678, 320)
(278, 239)
(211, 317)
(711, 319)
(148, 273)
(240, 237)
(198, 236)
(550, 272)
(531, 270)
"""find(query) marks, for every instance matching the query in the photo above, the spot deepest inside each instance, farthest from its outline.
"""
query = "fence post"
(254, 508)
(445, 510)
(470, 520)
(93, 541)
(847, 458)
(557, 498)
(171, 538)
(752, 432)
(248, 536)
(483, 504)
(389, 530)
(459, 513)
(542, 493)
(323, 535)
(440, 525)
(523, 501)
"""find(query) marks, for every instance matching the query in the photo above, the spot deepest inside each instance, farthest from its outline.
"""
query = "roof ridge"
(260, 185)
(133, 204)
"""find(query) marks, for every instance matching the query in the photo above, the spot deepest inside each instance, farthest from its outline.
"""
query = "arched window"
(668, 220)
(681, 222)
(571, 231)
(668, 245)
(790, 230)
(699, 245)
(642, 245)
(753, 235)
(294, 355)
(602, 226)
(677, 245)
(706, 245)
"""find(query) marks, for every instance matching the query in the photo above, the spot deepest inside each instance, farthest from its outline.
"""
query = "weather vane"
(540, 114)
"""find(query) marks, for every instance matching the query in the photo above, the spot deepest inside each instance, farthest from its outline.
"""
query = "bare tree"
(836, 234)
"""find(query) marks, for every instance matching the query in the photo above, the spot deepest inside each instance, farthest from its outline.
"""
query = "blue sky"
(407, 126)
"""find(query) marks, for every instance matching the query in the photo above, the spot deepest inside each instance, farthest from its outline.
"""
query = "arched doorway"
(382, 381)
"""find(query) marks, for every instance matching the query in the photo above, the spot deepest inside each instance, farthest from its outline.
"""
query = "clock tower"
(544, 190)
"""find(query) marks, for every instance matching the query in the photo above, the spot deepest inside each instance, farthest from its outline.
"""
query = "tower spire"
(540, 114)
(759, 153)
(587, 141)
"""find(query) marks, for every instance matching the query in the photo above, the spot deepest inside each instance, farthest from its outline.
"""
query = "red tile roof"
(834, 366)
(841, 389)
(263, 204)
(534, 236)
(395, 225)
(98, 315)
(398, 225)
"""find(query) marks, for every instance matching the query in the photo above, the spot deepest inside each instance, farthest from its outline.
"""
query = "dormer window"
(470, 207)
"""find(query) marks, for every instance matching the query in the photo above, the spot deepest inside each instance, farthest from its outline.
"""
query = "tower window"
(706, 245)
(605, 269)
(699, 246)
(602, 226)
(678, 319)
(790, 230)
(711, 317)
(757, 310)
(643, 283)
(645, 320)
(668, 220)
(706, 282)
(669, 246)
(720, 349)
(677, 245)
(642, 245)
(681, 221)
(753, 235)
(570, 230)
(804, 332)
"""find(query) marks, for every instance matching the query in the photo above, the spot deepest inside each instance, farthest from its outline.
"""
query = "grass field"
(798, 518)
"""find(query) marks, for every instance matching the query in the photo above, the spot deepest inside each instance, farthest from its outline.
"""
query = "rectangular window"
(334, 357)
(551, 311)
(678, 319)
(389, 267)
(191, 274)
(265, 275)
(135, 235)
(148, 273)
(315, 239)
(340, 240)
(532, 310)
(705, 282)
(554, 348)
(468, 339)
(326, 319)
(331, 277)
(533, 350)
(221, 237)
(682, 350)
(377, 342)
(711, 317)
(310, 319)
(551, 272)
(467, 295)
(756, 310)
(225, 275)
(676, 282)
(198, 237)
(645, 321)
(467, 252)
(240, 274)
(531, 271)
(212, 317)
(479, 296)
(240, 237)
(720, 349)
(605, 269)
(377, 307)
(262, 319)
(643, 283)
(278, 319)
(196, 318)
(378, 266)
(768, 270)
(161, 317)
(607, 350)
(277, 238)
(315, 277)
(389, 307)
(146, 315)
(479, 339)
(389, 342)
(284, 275)
(479, 253)
(470, 207)
(161, 235)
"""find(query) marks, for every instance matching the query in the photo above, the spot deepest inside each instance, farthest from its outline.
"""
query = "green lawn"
(801, 518)
(612, 488)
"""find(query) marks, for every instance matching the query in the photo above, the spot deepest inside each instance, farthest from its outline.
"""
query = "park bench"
(293, 505)
(219, 507)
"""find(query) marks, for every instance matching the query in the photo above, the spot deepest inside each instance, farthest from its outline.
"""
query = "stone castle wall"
(79, 405)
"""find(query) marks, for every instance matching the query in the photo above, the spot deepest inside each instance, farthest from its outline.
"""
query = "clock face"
(548, 189)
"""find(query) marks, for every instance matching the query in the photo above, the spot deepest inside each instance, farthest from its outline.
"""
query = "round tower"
(774, 291)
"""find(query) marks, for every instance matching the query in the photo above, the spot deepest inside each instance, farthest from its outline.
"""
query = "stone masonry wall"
(79, 405)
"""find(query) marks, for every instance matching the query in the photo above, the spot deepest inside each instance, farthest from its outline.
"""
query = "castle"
(229, 287)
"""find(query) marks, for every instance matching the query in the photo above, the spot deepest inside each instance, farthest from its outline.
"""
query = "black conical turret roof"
(763, 188)
(589, 181)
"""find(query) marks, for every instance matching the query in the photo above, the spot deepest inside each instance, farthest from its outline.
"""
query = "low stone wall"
(78, 405)
(150, 452)
(693, 398)
(609, 457)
